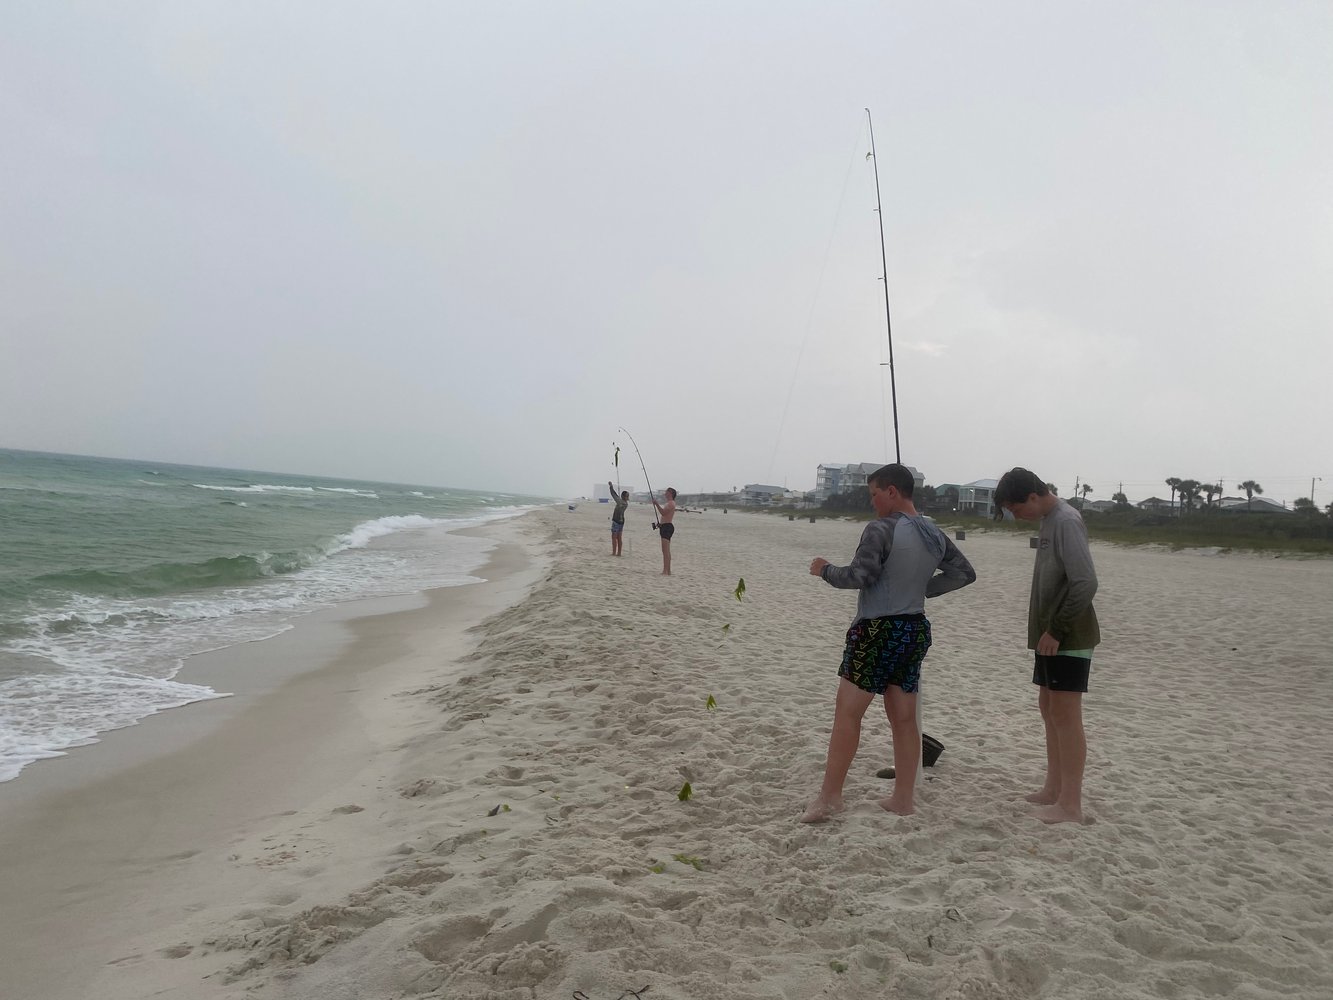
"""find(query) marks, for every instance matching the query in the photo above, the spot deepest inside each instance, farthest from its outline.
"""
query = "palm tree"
(1251, 488)
(1189, 492)
(1174, 483)
(1120, 500)
(1211, 490)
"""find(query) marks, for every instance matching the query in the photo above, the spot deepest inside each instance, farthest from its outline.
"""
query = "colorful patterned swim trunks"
(884, 651)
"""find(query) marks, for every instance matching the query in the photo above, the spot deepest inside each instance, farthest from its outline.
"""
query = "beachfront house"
(832, 479)
(978, 497)
(828, 480)
(1156, 505)
(1259, 505)
(756, 493)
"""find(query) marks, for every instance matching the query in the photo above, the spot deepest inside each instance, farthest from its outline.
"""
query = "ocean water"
(113, 572)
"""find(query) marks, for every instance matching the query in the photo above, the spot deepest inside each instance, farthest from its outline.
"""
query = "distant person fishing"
(666, 513)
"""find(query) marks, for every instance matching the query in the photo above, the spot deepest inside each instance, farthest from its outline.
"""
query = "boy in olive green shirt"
(1062, 630)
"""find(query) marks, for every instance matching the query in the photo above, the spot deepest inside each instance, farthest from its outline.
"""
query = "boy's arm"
(955, 572)
(868, 564)
(1071, 548)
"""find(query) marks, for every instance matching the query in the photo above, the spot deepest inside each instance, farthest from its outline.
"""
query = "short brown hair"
(896, 475)
(1017, 485)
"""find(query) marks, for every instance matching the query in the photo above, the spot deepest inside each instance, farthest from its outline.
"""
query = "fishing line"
(819, 285)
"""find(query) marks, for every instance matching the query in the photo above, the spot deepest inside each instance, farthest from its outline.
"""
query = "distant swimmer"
(618, 519)
(665, 527)
(895, 571)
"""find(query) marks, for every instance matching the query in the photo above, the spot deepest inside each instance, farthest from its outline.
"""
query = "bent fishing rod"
(641, 465)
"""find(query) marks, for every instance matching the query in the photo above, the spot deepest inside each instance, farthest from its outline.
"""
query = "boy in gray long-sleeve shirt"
(895, 571)
(1062, 631)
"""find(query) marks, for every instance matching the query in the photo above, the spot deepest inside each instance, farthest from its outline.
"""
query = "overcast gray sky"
(462, 244)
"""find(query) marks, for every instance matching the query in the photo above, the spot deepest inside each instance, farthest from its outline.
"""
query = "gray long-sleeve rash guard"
(895, 567)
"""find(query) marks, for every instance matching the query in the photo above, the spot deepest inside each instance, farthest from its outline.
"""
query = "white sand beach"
(477, 798)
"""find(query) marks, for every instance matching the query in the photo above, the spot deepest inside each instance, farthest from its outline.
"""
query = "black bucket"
(931, 749)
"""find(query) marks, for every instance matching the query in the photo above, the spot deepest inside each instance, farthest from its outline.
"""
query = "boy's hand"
(817, 566)
(1048, 645)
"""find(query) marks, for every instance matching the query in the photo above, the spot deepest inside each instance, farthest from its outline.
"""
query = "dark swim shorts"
(667, 531)
(1062, 673)
(884, 651)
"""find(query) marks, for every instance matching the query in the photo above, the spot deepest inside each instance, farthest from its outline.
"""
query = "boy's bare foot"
(820, 811)
(1042, 797)
(1058, 814)
(894, 805)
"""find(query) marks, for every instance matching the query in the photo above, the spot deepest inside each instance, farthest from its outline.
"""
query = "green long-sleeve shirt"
(1063, 583)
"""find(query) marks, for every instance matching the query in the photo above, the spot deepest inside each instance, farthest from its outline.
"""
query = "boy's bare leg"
(1050, 789)
(900, 707)
(850, 706)
(666, 557)
(1067, 717)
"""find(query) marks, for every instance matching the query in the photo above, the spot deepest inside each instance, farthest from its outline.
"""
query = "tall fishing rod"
(641, 465)
(888, 322)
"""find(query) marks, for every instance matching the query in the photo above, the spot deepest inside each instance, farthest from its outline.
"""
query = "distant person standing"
(664, 526)
(895, 570)
(618, 518)
(1062, 631)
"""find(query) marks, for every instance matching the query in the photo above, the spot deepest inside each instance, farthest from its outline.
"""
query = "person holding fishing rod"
(665, 513)
(665, 527)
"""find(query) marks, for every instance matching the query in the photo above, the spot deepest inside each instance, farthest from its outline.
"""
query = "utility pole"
(1313, 480)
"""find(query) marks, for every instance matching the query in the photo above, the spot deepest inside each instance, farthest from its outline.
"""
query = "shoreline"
(233, 671)
(122, 821)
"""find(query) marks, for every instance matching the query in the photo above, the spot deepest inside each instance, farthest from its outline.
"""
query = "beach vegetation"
(1241, 529)
(1311, 534)
(838, 967)
(685, 859)
(710, 704)
(685, 792)
(740, 589)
